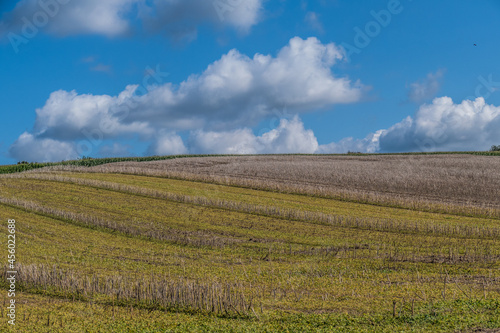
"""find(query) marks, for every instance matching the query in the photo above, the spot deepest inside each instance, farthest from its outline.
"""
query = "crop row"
(389, 225)
(150, 291)
(397, 200)
(174, 236)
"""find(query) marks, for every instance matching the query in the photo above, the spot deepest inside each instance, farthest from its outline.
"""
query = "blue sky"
(144, 77)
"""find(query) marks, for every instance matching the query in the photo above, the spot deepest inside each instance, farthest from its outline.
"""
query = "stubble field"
(258, 243)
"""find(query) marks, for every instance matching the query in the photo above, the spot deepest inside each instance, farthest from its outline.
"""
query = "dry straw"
(150, 291)
(388, 225)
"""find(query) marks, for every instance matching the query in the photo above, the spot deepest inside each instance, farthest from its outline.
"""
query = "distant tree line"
(495, 148)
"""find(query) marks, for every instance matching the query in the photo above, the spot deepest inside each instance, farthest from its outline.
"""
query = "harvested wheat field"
(455, 179)
(369, 243)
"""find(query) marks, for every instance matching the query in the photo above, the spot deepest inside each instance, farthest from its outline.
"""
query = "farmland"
(258, 243)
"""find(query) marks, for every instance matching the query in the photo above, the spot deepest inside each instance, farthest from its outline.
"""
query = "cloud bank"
(234, 93)
(180, 18)
(445, 126)
(440, 126)
(111, 18)
(31, 149)
(214, 111)
(289, 137)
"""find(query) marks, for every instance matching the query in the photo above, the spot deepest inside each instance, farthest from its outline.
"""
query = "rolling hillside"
(276, 243)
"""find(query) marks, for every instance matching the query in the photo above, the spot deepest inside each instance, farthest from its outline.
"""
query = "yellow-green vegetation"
(47, 315)
(103, 252)
(258, 197)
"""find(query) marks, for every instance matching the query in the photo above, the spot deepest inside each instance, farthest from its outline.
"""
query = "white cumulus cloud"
(289, 137)
(168, 144)
(237, 90)
(440, 126)
(370, 144)
(70, 116)
(444, 125)
(234, 92)
(31, 149)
